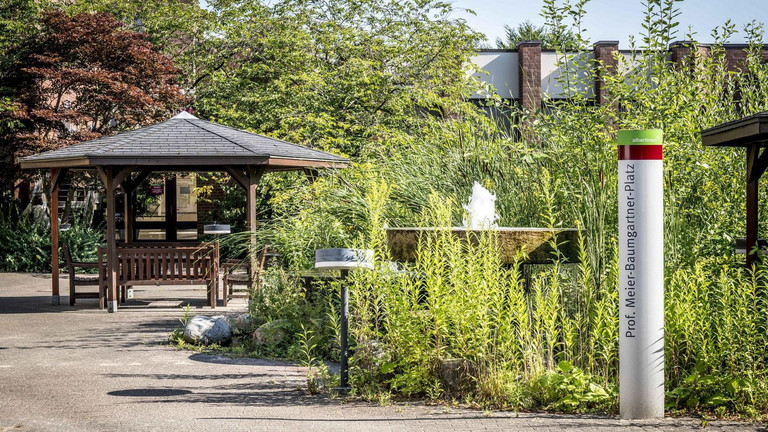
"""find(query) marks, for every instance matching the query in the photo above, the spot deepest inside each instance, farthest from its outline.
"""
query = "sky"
(615, 19)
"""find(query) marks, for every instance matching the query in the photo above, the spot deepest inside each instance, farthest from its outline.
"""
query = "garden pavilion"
(183, 143)
(751, 133)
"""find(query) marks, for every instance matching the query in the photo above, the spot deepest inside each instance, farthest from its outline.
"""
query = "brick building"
(529, 74)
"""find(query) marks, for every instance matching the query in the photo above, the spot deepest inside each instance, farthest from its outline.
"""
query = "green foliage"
(177, 336)
(526, 31)
(307, 359)
(68, 85)
(181, 30)
(343, 75)
(569, 389)
(25, 245)
(385, 82)
(718, 393)
(296, 309)
(18, 26)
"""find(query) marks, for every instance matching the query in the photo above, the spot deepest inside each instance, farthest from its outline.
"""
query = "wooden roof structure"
(752, 134)
(183, 143)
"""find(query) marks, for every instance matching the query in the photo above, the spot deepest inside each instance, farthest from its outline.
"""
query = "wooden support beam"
(171, 210)
(238, 175)
(56, 175)
(254, 174)
(130, 185)
(109, 184)
(758, 166)
(128, 213)
(103, 174)
(752, 202)
(123, 174)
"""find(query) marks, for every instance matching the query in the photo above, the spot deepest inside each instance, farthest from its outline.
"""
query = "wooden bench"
(164, 264)
(76, 280)
(237, 274)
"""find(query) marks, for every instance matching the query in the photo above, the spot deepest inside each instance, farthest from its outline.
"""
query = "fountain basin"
(403, 242)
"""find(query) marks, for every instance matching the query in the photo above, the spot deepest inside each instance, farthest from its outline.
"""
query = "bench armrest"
(231, 265)
(85, 265)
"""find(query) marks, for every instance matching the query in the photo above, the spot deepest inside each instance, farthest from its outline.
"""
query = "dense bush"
(552, 344)
(555, 346)
(25, 243)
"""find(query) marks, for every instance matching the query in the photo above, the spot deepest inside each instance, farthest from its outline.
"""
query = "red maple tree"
(84, 76)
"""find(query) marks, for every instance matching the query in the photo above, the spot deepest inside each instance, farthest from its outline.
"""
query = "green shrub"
(25, 245)
(552, 345)
(569, 389)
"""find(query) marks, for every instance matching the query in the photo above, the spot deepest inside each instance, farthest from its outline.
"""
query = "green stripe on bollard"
(641, 137)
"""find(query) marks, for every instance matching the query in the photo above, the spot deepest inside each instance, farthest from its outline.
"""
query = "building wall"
(553, 77)
(512, 72)
(501, 71)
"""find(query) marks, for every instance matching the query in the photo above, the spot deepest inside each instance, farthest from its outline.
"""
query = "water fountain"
(481, 214)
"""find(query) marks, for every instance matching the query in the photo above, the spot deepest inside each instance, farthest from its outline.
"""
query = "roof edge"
(160, 161)
(737, 132)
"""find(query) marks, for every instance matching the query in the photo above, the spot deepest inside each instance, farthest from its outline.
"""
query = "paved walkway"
(81, 369)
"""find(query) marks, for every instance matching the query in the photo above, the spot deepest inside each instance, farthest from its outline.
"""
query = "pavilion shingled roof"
(184, 140)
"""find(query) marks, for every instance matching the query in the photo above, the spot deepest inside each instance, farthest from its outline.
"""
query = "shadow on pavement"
(222, 359)
(150, 392)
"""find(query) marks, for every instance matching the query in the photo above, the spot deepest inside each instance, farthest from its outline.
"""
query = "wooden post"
(171, 210)
(55, 174)
(752, 202)
(129, 187)
(128, 213)
(253, 175)
(107, 176)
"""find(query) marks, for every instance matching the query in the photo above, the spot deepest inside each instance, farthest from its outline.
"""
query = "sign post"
(641, 274)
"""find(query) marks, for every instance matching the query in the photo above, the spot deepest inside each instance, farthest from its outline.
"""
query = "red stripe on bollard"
(640, 152)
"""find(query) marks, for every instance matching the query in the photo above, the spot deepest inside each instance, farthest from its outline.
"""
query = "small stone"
(271, 333)
(377, 349)
(208, 330)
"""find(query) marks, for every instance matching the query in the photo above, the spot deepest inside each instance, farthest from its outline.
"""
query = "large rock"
(371, 355)
(454, 374)
(208, 330)
(241, 323)
(271, 334)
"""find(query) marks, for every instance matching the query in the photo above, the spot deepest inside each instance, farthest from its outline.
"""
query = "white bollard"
(641, 274)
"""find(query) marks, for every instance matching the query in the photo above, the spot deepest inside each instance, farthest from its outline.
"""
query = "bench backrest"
(164, 262)
(68, 258)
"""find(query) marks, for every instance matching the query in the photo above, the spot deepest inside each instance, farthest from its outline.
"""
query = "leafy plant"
(25, 244)
(307, 347)
(569, 389)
